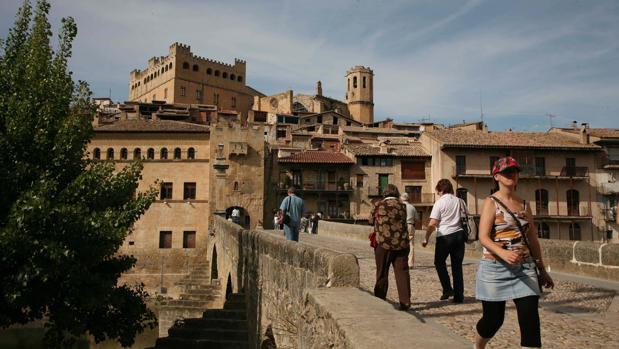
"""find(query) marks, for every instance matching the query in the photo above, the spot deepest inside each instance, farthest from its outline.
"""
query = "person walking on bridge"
(389, 220)
(511, 253)
(292, 207)
(411, 218)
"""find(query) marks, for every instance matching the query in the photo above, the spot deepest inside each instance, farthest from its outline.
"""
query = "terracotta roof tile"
(140, 125)
(380, 130)
(478, 139)
(317, 157)
(411, 150)
(598, 132)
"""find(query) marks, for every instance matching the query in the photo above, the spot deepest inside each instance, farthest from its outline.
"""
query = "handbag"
(372, 235)
(284, 218)
(467, 222)
(524, 237)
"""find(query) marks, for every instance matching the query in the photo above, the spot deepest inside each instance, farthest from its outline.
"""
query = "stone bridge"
(317, 293)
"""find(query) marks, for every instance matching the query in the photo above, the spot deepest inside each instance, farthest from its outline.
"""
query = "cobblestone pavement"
(573, 315)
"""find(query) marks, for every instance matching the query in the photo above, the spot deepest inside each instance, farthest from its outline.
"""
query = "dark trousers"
(451, 245)
(399, 260)
(528, 319)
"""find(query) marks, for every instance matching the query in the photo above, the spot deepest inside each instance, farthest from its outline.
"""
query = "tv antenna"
(550, 117)
(481, 107)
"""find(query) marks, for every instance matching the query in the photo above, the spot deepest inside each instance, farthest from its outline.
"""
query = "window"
(137, 154)
(165, 93)
(216, 72)
(165, 239)
(166, 191)
(348, 85)
(150, 153)
(460, 164)
(297, 178)
(541, 202)
(189, 239)
(235, 187)
(413, 169)
(543, 231)
(334, 120)
(209, 71)
(163, 154)
(540, 166)
(110, 153)
(199, 95)
(364, 82)
(232, 77)
(239, 78)
(191, 153)
(170, 65)
(414, 192)
(383, 181)
(319, 119)
(189, 191)
(185, 65)
(461, 193)
(573, 202)
(574, 231)
(195, 67)
(354, 82)
(493, 159)
(224, 75)
(280, 133)
(183, 92)
(233, 102)
(570, 167)
(96, 154)
(359, 181)
(166, 68)
(177, 153)
(123, 153)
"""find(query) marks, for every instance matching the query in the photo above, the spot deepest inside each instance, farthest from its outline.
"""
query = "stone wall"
(585, 258)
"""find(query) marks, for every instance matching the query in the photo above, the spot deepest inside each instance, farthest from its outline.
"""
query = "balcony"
(308, 187)
(581, 212)
(528, 172)
(575, 172)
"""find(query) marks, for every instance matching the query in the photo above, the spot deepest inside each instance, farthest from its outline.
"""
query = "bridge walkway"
(576, 314)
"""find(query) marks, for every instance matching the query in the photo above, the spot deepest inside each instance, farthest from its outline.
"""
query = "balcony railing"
(551, 212)
(577, 171)
(308, 186)
(527, 172)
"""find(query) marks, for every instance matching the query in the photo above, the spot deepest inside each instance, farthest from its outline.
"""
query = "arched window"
(177, 153)
(224, 75)
(209, 71)
(191, 153)
(354, 82)
(185, 65)
(239, 78)
(543, 231)
(573, 202)
(462, 194)
(162, 70)
(166, 68)
(574, 231)
(137, 154)
(364, 82)
(150, 153)
(195, 67)
(348, 86)
(170, 65)
(110, 153)
(541, 202)
(232, 77)
(123, 154)
(216, 72)
(163, 154)
(236, 186)
(96, 154)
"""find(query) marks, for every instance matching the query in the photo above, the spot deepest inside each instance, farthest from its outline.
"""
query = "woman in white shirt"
(450, 239)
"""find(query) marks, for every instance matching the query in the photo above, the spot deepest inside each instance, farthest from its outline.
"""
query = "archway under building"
(238, 215)
(214, 271)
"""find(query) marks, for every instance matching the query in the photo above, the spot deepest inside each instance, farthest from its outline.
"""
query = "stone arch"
(239, 78)
(195, 67)
(96, 154)
(232, 76)
(123, 153)
(209, 71)
(224, 75)
(214, 270)
(241, 219)
(229, 288)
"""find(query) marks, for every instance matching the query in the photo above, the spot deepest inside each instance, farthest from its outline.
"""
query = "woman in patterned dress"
(506, 270)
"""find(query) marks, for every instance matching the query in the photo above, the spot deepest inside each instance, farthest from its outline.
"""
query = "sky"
(439, 61)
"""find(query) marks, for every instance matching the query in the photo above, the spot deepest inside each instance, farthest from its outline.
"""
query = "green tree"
(62, 217)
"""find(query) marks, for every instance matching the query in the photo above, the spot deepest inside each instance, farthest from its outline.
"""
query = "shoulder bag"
(467, 222)
(284, 217)
(524, 238)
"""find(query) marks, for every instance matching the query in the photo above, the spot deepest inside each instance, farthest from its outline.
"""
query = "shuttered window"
(413, 169)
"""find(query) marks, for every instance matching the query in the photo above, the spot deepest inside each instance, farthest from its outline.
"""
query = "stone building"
(557, 178)
(202, 161)
(183, 77)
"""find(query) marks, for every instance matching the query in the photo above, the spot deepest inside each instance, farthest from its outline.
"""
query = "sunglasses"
(508, 172)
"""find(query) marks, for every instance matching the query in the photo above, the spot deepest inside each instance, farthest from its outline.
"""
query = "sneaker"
(446, 295)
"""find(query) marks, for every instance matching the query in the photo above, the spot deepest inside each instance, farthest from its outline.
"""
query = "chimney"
(584, 133)
(575, 125)
(484, 128)
(319, 88)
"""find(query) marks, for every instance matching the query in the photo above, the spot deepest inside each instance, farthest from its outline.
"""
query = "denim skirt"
(499, 281)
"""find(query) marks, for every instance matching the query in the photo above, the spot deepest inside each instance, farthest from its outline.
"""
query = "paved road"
(573, 315)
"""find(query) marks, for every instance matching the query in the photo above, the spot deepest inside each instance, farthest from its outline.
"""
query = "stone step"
(206, 292)
(171, 342)
(202, 323)
(234, 305)
(224, 314)
(198, 297)
(208, 333)
(236, 297)
(188, 303)
(198, 287)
